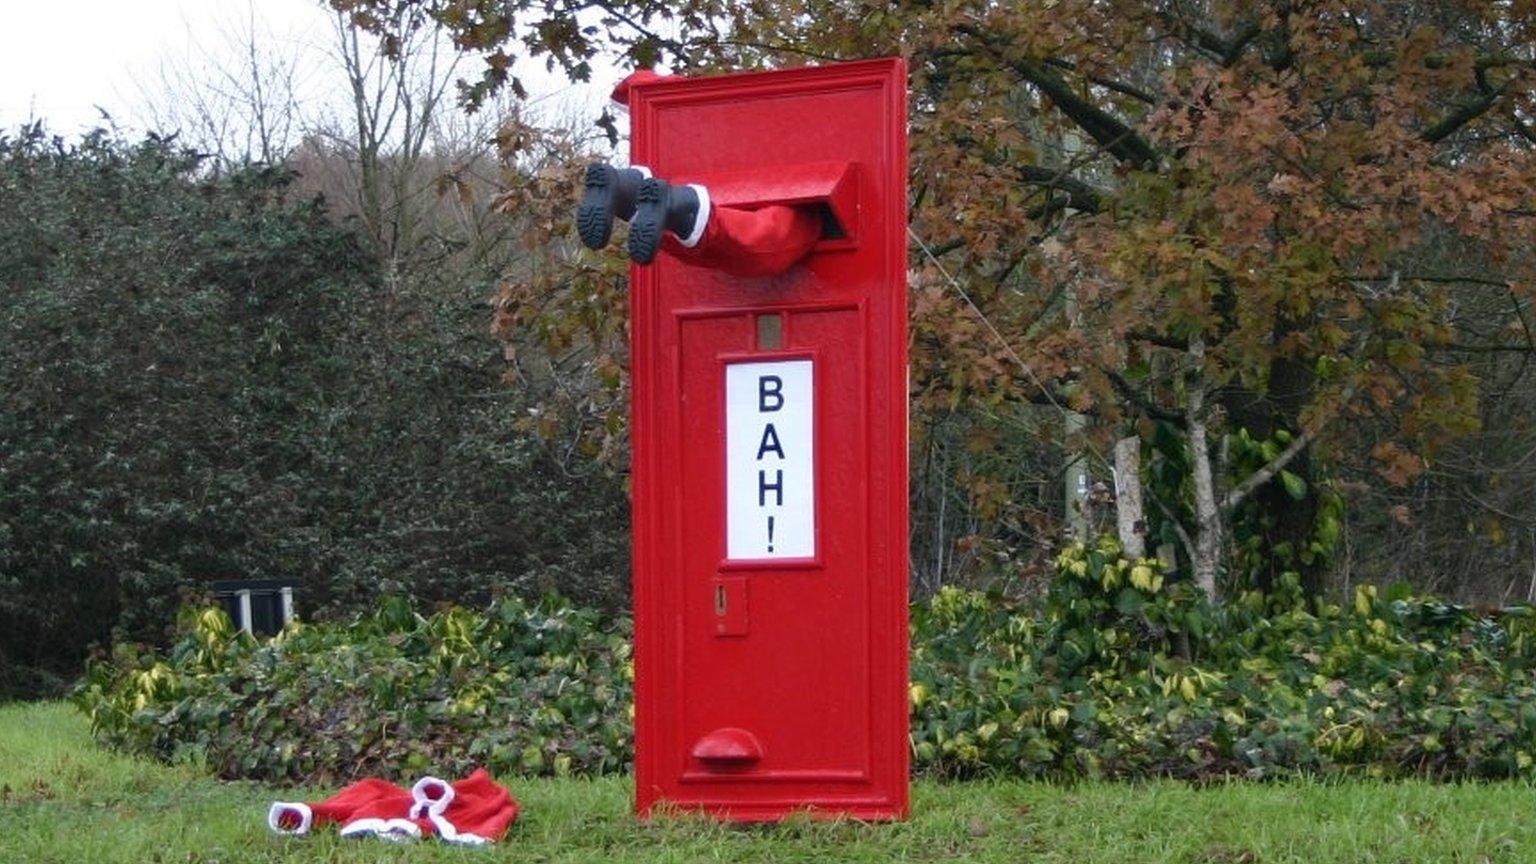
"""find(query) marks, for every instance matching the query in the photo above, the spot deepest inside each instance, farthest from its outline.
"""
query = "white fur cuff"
(431, 796)
(281, 809)
(700, 219)
(384, 829)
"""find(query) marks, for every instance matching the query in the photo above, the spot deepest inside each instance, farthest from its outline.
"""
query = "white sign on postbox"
(770, 478)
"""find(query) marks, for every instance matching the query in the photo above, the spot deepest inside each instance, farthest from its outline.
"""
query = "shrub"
(522, 689)
(204, 377)
(1124, 674)
(1119, 672)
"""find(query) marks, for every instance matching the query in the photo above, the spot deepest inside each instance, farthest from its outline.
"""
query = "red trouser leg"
(762, 242)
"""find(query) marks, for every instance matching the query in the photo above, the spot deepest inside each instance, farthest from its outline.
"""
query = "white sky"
(109, 51)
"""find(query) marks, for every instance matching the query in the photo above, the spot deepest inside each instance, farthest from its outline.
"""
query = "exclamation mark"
(770, 533)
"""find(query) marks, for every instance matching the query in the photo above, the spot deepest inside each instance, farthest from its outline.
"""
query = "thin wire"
(1088, 451)
(986, 322)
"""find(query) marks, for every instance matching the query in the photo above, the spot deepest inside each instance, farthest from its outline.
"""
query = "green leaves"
(1129, 602)
(1116, 681)
(1117, 673)
(204, 377)
(523, 689)
(1294, 486)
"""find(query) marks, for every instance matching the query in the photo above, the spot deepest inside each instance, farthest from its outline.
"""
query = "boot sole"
(594, 217)
(646, 226)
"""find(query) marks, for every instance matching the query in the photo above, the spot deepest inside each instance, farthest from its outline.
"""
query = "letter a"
(765, 393)
(770, 443)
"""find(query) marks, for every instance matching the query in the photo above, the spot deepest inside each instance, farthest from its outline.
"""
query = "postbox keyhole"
(730, 598)
(770, 331)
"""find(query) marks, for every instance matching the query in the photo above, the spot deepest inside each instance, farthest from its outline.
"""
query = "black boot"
(610, 192)
(661, 207)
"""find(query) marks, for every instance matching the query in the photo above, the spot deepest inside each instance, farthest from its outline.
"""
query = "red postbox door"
(770, 457)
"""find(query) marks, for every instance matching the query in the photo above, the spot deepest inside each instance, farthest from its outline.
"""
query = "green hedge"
(203, 377)
(1121, 675)
(1117, 674)
(522, 689)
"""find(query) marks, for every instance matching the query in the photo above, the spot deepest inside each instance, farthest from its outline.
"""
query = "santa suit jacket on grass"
(472, 811)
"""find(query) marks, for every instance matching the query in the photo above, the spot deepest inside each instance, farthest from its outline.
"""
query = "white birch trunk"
(1130, 520)
(1208, 512)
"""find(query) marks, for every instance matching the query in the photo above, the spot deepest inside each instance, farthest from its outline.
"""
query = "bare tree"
(365, 118)
(397, 81)
(236, 98)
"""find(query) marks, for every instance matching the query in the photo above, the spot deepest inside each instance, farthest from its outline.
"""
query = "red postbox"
(770, 457)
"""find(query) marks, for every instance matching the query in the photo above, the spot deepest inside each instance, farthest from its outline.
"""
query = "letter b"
(770, 389)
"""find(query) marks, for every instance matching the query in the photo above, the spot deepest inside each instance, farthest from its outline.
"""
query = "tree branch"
(1378, 59)
(1523, 130)
(1225, 50)
(1158, 339)
(1464, 114)
(1240, 42)
(1081, 196)
(1129, 393)
(1484, 349)
(1111, 84)
(1446, 278)
(1178, 527)
(1117, 138)
(1237, 494)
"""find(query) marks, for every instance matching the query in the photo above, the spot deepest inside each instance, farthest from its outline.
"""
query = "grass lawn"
(62, 799)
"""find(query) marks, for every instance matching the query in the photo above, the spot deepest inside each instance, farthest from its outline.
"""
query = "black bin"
(260, 607)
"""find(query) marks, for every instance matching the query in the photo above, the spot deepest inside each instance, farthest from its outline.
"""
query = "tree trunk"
(1130, 520)
(1285, 520)
(1208, 528)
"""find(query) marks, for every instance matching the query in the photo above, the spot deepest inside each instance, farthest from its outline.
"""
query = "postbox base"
(734, 812)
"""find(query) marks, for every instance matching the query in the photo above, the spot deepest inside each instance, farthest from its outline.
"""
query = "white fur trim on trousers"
(700, 219)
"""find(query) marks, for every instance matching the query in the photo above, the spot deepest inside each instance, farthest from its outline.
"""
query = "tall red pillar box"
(770, 457)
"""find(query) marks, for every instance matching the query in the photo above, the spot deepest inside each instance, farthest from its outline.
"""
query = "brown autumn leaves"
(1318, 213)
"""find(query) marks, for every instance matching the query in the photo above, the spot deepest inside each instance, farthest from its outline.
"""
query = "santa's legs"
(610, 193)
(681, 220)
(662, 207)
